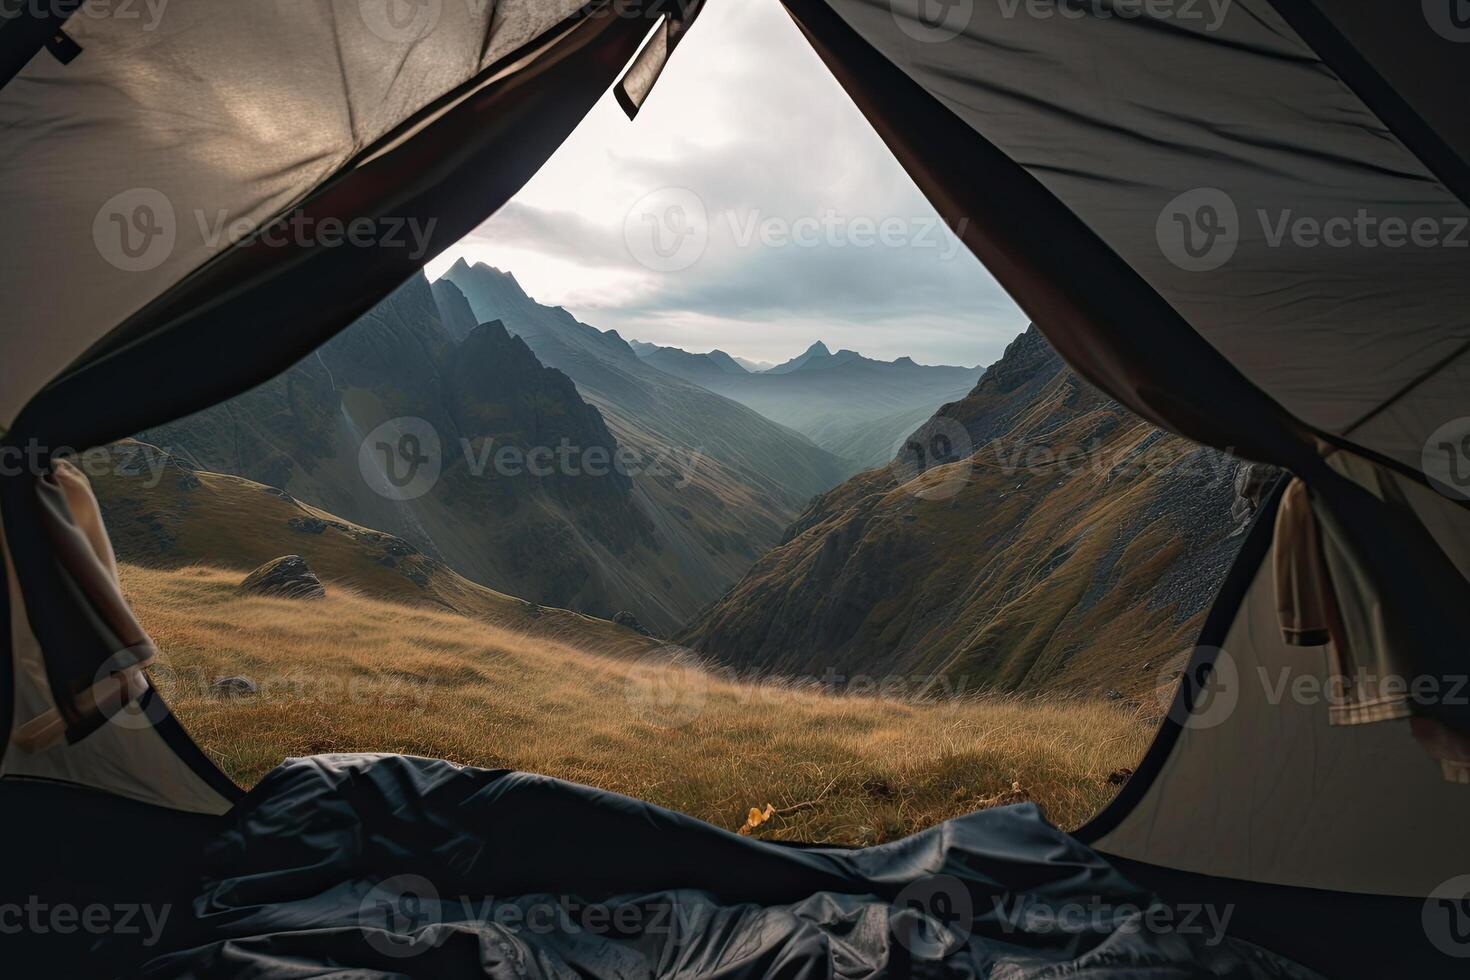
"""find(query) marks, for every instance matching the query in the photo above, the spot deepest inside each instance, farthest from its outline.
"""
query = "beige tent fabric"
(125, 170)
(126, 756)
(1262, 788)
(1274, 787)
(1324, 599)
(73, 523)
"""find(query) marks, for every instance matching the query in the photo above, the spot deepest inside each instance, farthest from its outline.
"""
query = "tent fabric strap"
(638, 82)
(1116, 331)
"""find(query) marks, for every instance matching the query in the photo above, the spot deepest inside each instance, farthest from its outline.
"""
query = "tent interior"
(1066, 142)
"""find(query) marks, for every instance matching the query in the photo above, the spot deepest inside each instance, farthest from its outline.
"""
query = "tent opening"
(716, 482)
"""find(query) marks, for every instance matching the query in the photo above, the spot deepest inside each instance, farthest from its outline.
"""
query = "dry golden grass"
(352, 673)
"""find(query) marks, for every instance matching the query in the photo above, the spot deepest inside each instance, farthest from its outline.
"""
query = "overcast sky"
(749, 207)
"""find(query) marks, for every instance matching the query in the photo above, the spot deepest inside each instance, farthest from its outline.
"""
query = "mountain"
(539, 495)
(817, 351)
(713, 366)
(726, 363)
(751, 475)
(1030, 522)
(454, 310)
(851, 405)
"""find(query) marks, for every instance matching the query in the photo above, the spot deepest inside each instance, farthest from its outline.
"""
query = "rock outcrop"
(287, 577)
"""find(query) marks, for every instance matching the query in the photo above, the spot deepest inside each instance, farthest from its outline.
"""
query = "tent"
(1244, 221)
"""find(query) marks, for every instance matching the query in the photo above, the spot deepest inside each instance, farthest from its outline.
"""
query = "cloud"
(792, 187)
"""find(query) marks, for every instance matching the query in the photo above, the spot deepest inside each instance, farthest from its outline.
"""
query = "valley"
(846, 403)
(1020, 533)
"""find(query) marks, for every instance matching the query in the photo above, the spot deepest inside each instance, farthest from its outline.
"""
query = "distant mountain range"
(848, 404)
(1051, 540)
(704, 488)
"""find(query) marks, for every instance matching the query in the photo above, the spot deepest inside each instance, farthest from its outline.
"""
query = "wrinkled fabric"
(72, 521)
(378, 866)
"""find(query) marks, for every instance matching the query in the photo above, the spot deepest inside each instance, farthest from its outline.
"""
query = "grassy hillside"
(356, 673)
(161, 513)
(1066, 545)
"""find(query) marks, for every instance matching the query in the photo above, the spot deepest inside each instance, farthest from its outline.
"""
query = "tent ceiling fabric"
(125, 170)
(1229, 126)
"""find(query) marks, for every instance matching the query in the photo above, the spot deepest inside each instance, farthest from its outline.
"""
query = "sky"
(749, 207)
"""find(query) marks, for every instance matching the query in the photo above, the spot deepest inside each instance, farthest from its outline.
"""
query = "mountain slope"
(1074, 545)
(735, 479)
(849, 404)
(543, 494)
(161, 512)
(691, 367)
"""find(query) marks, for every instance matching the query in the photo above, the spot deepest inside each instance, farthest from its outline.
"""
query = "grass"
(357, 673)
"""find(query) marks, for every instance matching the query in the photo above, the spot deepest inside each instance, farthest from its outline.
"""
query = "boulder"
(627, 620)
(288, 577)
